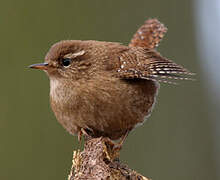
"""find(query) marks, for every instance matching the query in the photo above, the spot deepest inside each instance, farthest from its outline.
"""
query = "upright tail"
(149, 35)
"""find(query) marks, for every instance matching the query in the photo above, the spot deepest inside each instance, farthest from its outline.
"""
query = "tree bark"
(100, 160)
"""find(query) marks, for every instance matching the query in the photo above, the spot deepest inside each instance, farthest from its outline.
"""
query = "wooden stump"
(100, 160)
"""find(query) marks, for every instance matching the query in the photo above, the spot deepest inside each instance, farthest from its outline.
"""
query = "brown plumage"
(107, 88)
(149, 35)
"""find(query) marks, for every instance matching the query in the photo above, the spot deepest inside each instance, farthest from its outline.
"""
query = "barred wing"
(149, 64)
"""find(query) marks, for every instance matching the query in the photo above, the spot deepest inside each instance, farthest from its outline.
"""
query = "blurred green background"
(177, 140)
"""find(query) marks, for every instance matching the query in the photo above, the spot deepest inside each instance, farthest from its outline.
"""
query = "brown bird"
(106, 88)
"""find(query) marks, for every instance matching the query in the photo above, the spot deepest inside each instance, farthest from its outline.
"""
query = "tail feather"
(149, 35)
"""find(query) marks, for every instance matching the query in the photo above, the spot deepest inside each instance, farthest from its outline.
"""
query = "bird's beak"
(42, 66)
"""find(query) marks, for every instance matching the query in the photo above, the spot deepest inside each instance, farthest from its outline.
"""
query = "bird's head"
(70, 59)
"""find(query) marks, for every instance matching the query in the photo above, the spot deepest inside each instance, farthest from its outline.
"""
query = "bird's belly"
(110, 112)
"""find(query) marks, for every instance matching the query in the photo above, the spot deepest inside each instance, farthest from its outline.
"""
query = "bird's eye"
(66, 62)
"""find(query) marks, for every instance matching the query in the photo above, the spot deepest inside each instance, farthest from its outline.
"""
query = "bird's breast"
(63, 103)
(54, 85)
(60, 91)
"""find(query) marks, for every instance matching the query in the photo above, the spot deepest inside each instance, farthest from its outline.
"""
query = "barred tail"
(149, 35)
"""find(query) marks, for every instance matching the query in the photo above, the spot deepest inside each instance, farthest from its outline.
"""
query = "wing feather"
(149, 64)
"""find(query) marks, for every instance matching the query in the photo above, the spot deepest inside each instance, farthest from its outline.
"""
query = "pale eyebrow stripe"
(74, 55)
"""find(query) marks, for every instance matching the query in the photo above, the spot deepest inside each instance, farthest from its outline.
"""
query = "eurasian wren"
(106, 88)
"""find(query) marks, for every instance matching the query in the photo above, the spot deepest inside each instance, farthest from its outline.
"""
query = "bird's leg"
(118, 145)
(80, 135)
(83, 133)
(121, 141)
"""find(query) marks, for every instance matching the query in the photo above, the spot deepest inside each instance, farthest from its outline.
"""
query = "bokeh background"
(181, 138)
